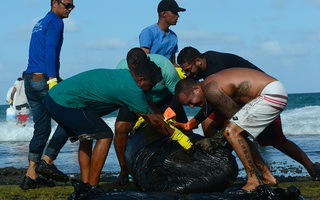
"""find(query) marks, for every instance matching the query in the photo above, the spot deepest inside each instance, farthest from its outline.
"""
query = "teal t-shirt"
(167, 85)
(103, 90)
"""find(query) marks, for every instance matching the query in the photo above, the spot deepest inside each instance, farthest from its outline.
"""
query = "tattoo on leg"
(247, 156)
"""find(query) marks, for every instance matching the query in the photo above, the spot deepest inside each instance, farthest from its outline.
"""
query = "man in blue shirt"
(41, 75)
(158, 38)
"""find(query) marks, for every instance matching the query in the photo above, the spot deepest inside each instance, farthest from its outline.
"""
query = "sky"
(282, 37)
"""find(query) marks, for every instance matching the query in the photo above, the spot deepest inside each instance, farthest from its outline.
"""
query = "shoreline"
(11, 178)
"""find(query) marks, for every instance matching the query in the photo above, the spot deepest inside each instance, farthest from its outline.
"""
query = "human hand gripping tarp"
(210, 144)
(177, 135)
(180, 137)
(188, 125)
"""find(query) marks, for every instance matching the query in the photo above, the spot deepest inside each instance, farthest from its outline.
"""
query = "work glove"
(52, 82)
(169, 114)
(177, 135)
(181, 138)
(140, 121)
(210, 144)
(181, 73)
(187, 126)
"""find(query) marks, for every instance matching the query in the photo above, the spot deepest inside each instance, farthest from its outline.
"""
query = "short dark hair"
(188, 54)
(149, 70)
(185, 86)
(135, 56)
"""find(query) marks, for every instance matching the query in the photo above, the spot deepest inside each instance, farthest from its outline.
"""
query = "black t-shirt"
(217, 61)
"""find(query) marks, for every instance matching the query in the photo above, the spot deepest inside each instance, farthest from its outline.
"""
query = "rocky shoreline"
(11, 177)
(14, 176)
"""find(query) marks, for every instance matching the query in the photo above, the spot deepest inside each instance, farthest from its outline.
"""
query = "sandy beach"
(11, 178)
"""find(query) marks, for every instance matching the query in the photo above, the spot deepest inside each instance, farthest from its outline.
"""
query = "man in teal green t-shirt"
(161, 97)
(78, 103)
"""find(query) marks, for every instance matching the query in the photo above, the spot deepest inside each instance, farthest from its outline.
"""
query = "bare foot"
(271, 182)
(251, 185)
(122, 179)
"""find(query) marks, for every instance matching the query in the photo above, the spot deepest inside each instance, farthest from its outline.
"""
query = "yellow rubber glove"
(52, 82)
(187, 126)
(181, 73)
(182, 139)
(169, 113)
(138, 123)
(10, 102)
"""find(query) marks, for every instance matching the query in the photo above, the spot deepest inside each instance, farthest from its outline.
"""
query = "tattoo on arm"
(219, 99)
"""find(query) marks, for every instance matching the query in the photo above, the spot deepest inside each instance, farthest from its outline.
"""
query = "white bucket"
(11, 114)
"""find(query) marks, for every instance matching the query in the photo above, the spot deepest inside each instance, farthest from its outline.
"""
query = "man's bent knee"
(122, 127)
(232, 130)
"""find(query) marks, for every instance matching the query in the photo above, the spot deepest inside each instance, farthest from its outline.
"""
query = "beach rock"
(11, 175)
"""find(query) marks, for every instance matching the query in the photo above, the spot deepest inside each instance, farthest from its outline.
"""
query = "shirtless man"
(263, 97)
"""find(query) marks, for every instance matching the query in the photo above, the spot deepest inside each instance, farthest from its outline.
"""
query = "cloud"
(315, 37)
(70, 25)
(2, 67)
(207, 37)
(274, 47)
(106, 44)
(21, 33)
(313, 2)
(24, 32)
(34, 3)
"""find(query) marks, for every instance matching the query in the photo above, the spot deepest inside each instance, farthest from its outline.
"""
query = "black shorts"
(83, 123)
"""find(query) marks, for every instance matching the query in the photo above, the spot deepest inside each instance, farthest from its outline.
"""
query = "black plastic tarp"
(158, 164)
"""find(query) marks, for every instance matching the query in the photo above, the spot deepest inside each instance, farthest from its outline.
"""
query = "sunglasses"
(189, 69)
(68, 5)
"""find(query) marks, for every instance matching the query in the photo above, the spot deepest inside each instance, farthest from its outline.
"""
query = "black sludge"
(159, 164)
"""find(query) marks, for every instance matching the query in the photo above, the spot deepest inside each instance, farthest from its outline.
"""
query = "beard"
(200, 74)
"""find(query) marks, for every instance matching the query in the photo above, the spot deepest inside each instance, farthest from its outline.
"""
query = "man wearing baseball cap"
(169, 5)
(158, 38)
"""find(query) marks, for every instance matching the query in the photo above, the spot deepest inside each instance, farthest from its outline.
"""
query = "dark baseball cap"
(169, 5)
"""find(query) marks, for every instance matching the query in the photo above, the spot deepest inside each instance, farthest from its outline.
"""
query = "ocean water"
(301, 124)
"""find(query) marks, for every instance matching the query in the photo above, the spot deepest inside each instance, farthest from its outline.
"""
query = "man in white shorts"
(263, 97)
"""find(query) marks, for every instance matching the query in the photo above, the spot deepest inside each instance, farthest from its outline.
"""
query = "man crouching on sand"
(78, 103)
(263, 97)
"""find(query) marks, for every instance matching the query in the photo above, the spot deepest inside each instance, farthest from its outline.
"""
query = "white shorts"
(257, 114)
